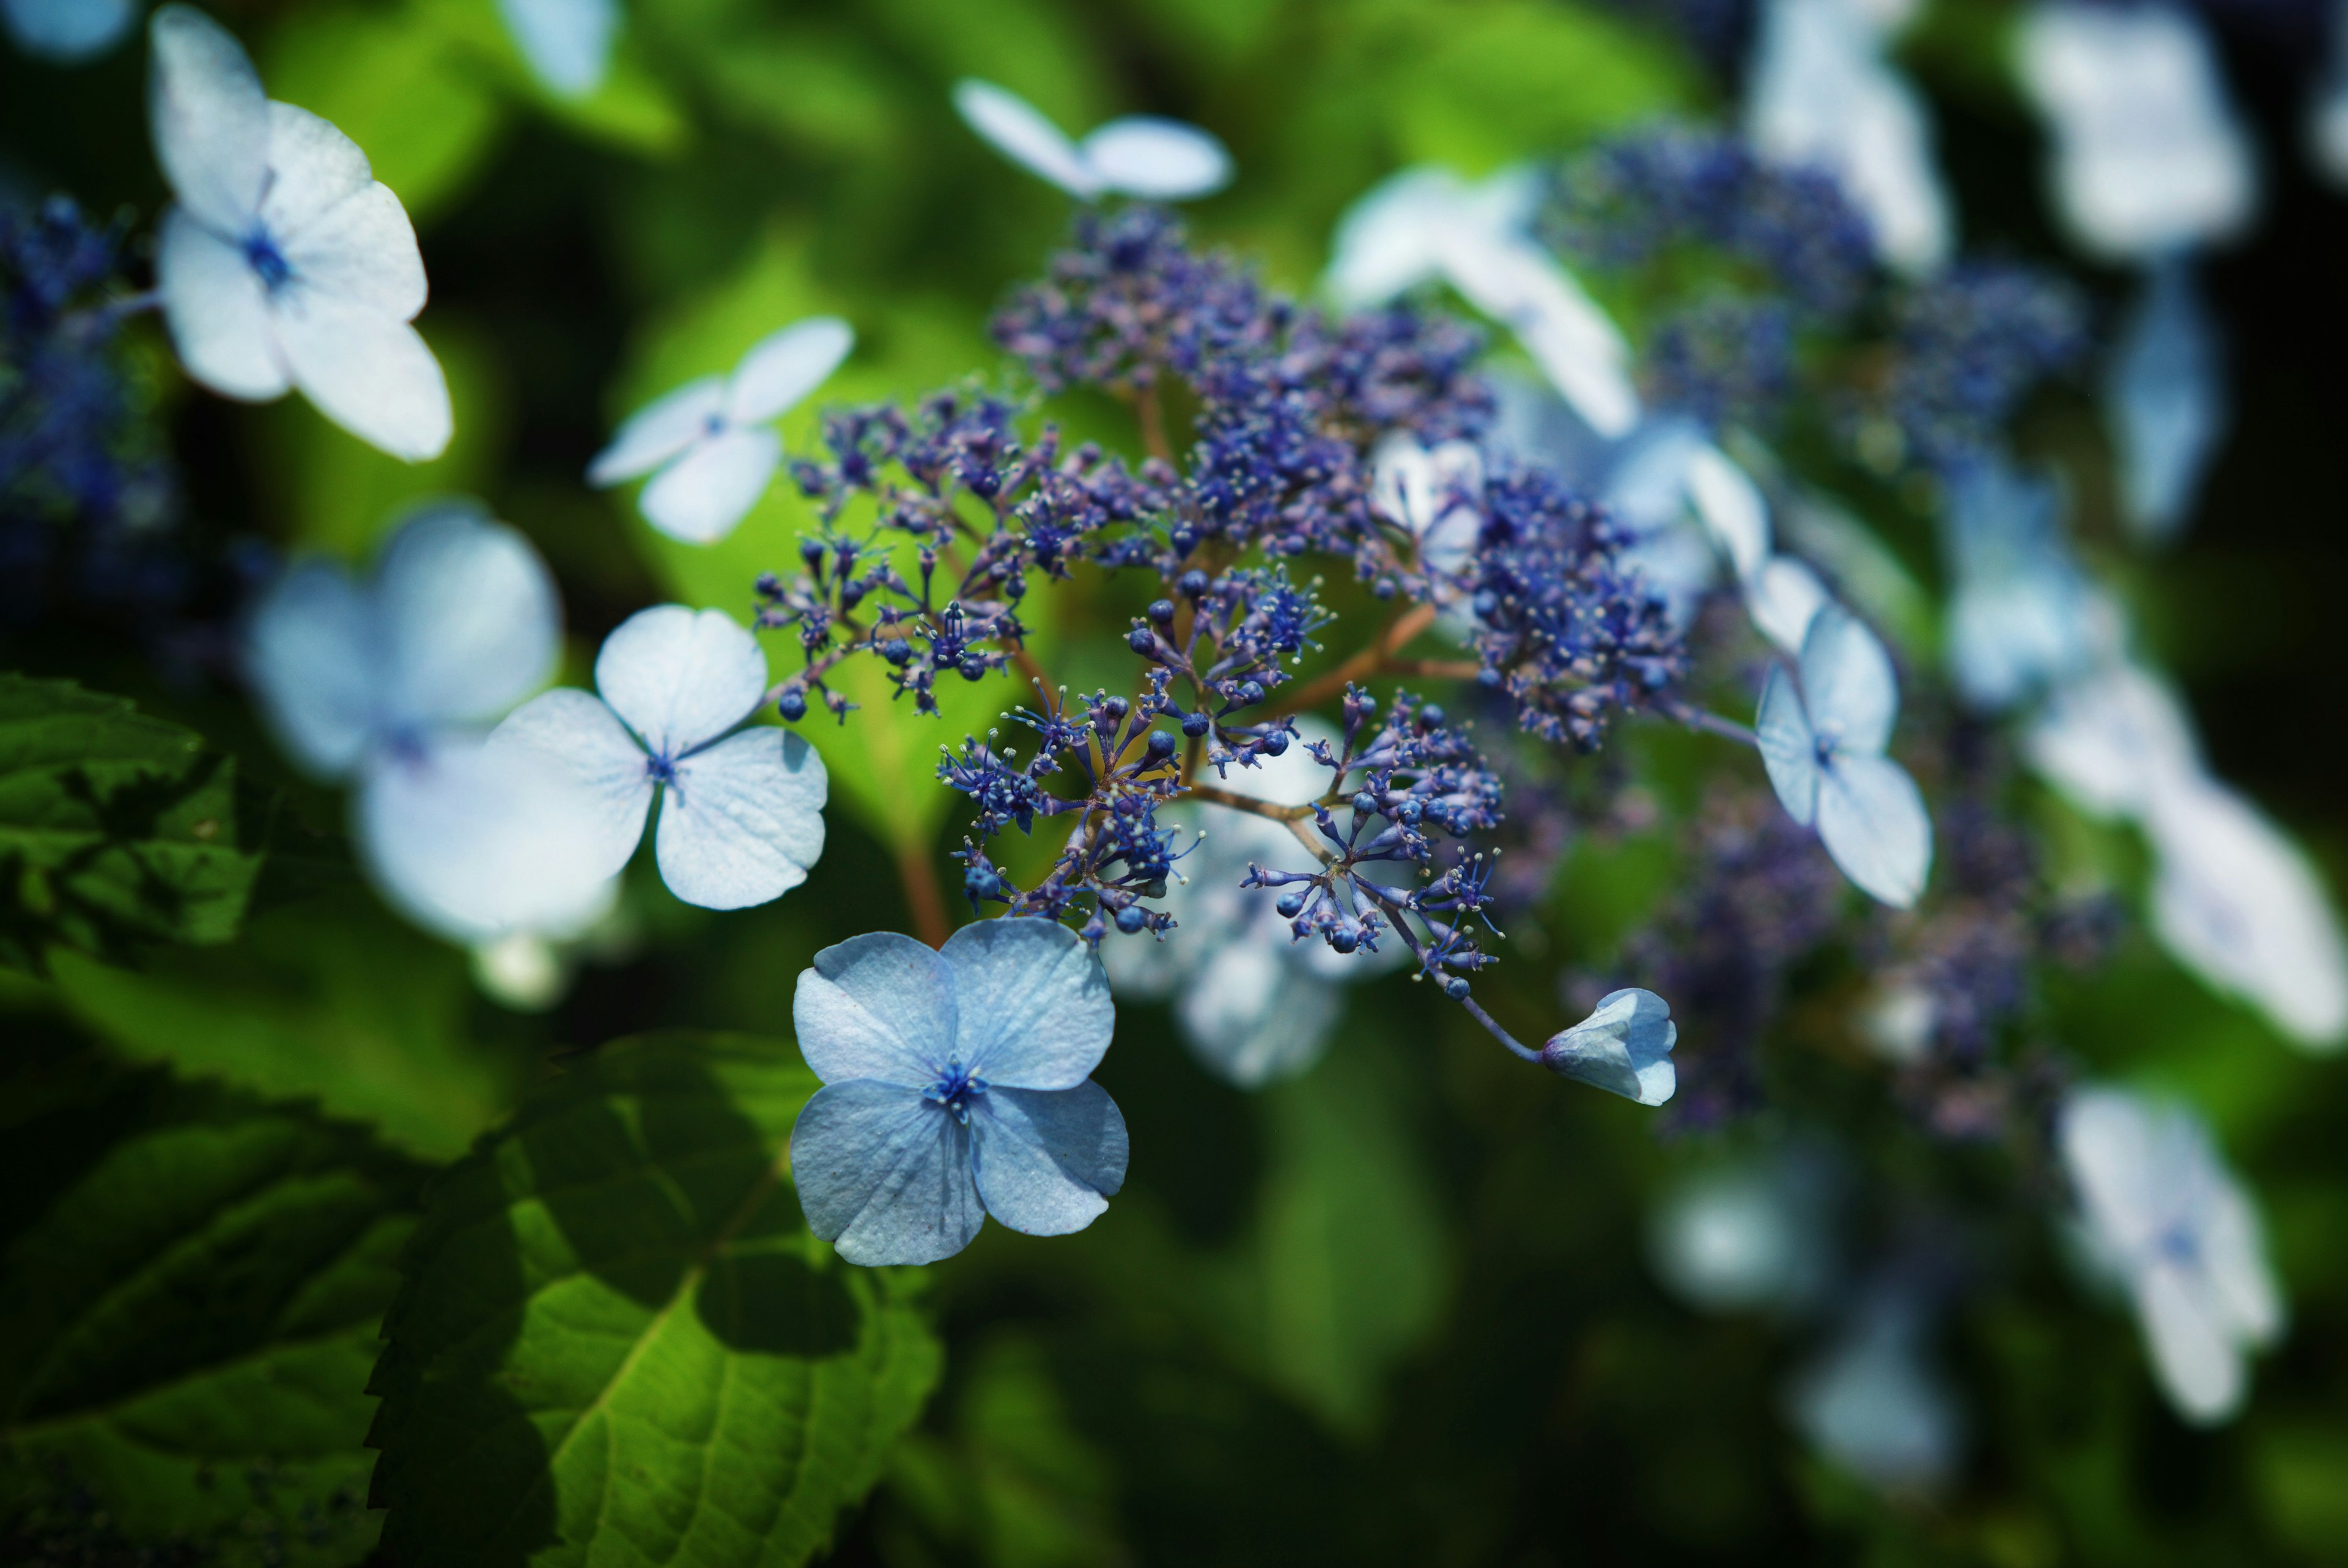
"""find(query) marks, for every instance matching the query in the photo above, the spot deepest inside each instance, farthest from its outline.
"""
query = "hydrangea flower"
(1623, 1047)
(1751, 1236)
(2165, 401)
(1823, 746)
(2167, 1219)
(710, 439)
(2148, 156)
(741, 809)
(66, 31)
(285, 262)
(1143, 156)
(567, 43)
(1874, 1404)
(1820, 93)
(1426, 223)
(2021, 616)
(386, 682)
(957, 1085)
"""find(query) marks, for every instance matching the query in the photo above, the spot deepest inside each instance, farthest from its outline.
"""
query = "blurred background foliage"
(1397, 1311)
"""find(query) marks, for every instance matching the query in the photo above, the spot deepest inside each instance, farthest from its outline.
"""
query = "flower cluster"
(1967, 347)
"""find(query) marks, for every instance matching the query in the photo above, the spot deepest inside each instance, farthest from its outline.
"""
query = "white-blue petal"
(66, 31)
(218, 311)
(312, 658)
(568, 43)
(366, 370)
(209, 119)
(1730, 507)
(1019, 130)
(1035, 1005)
(1386, 242)
(360, 248)
(1251, 1010)
(680, 678)
(1784, 598)
(1847, 686)
(702, 496)
(1872, 818)
(470, 616)
(1625, 1048)
(877, 1006)
(884, 1174)
(313, 166)
(1789, 748)
(785, 366)
(575, 729)
(1047, 1160)
(743, 820)
(660, 430)
(1156, 160)
(2166, 399)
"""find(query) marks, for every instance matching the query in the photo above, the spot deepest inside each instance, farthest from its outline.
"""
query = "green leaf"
(331, 997)
(619, 1344)
(187, 1312)
(116, 830)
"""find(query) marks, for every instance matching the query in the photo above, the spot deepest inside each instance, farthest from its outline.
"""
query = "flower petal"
(1156, 160)
(1512, 280)
(66, 32)
(578, 732)
(1873, 820)
(470, 616)
(1252, 1013)
(784, 367)
(1789, 749)
(567, 43)
(313, 658)
(311, 167)
(368, 370)
(660, 430)
(1019, 130)
(884, 1174)
(209, 118)
(1625, 1048)
(1729, 505)
(1033, 1004)
(875, 1006)
(362, 251)
(1847, 686)
(743, 821)
(1386, 241)
(2108, 739)
(681, 678)
(1784, 598)
(704, 494)
(1047, 1160)
(2200, 1366)
(218, 311)
(2166, 401)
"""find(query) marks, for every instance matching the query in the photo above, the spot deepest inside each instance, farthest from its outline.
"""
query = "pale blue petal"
(1848, 687)
(2166, 399)
(681, 678)
(1625, 1048)
(1019, 130)
(312, 168)
(209, 119)
(2198, 1362)
(1874, 1406)
(785, 366)
(366, 370)
(1789, 750)
(1035, 1005)
(884, 1174)
(568, 43)
(1251, 1011)
(1784, 598)
(743, 821)
(660, 430)
(877, 1006)
(1386, 241)
(470, 620)
(218, 311)
(1156, 159)
(1048, 1160)
(575, 729)
(361, 250)
(1729, 505)
(66, 31)
(313, 658)
(2021, 617)
(702, 496)
(1872, 819)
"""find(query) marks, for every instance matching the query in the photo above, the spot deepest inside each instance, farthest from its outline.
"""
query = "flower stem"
(1150, 415)
(923, 898)
(1378, 657)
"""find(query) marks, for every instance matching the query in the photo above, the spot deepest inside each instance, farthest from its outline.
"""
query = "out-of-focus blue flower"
(1142, 156)
(2165, 399)
(1874, 1404)
(1821, 92)
(710, 439)
(741, 817)
(1625, 1048)
(566, 43)
(1969, 346)
(2110, 735)
(2327, 108)
(1824, 750)
(284, 262)
(957, 1085)
(1751, 1236)
(2170, 1222)
(2021, 616)
(66, 31)
(389, 680)
(2148, 157)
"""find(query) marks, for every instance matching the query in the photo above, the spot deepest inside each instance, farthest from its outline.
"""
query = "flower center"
(2180, 1244)
(661, 768)
(261, 255)
(954, 1090)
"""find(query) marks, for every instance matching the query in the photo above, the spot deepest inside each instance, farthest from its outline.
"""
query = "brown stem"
(1433, 669)
(1369, 661)
(1151, 417)
(1248, 804)
(923, 899)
